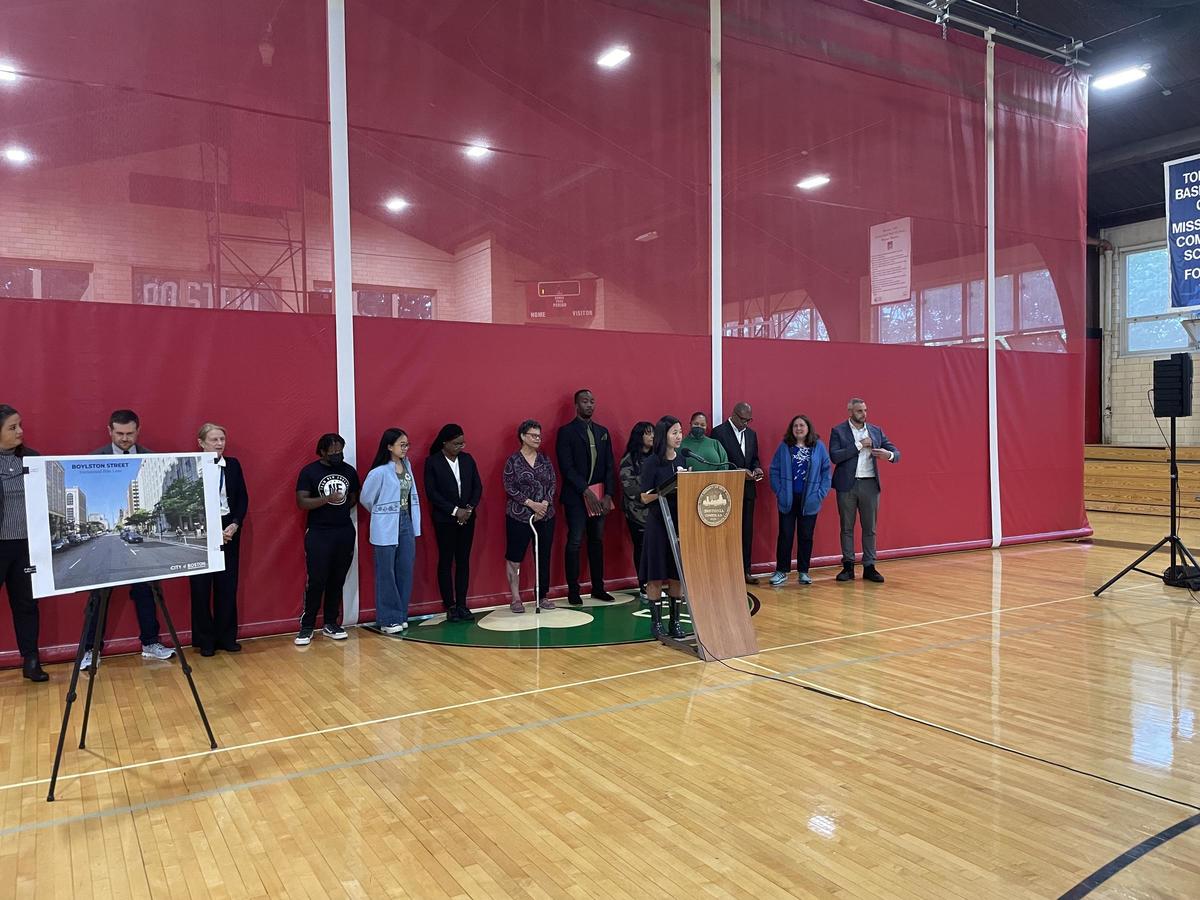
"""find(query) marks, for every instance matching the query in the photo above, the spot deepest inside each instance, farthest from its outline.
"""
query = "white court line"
(333, 729)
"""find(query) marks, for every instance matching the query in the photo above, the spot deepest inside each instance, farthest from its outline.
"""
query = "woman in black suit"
(214, 594)
(453, 490)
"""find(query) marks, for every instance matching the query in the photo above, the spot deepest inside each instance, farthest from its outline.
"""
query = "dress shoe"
(574, 599)
(451, 615)
(750, 579)
(847, 573)
(870, 573)
(464, 614)
(604, 595)
(32, 669)
(232, 647)
(208, 651)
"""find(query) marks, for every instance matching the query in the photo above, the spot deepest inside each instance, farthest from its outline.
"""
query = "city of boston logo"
(714, 505)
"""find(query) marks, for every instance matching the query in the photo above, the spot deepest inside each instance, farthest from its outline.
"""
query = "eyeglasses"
(533, 436)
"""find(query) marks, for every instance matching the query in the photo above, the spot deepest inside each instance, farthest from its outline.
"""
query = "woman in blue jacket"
(389, 494)
(800, 477)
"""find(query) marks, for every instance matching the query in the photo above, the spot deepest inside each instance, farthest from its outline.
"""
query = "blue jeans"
(394, 577)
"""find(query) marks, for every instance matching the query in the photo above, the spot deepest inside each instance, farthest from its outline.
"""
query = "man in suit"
(741, 446)
(585, 460)
(453, 489)
(124, 426)
(856, 448)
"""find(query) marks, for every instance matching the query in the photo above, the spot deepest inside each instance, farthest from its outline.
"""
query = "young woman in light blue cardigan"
(800, 476)
(389, 494)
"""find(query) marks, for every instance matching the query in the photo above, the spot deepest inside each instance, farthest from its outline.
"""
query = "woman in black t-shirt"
(658, 561)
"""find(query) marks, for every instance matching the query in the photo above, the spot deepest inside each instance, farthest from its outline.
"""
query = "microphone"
(685, 453)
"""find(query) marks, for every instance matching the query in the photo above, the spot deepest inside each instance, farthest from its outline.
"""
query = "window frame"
(41, 264)
(1124, 320)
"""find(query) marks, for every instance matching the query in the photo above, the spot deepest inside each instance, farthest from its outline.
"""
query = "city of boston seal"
(714, 505)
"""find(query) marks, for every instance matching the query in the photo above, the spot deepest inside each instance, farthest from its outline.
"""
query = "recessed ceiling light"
(396, 204)
(478, 151)
(812, 182)
(7, 73)
(612, 57)
(1120, 77)
(17, 155)
(648, 236)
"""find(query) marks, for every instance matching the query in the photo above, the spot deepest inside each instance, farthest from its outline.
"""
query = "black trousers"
(454, 561)
(747, 531)
(214, 603)
(328, 553)
(579, 522)
(14, 560)
(142, 596)
(637, 534)
(797, 528)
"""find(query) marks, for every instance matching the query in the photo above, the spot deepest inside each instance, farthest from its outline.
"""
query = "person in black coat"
(14, 542)
(741, 445)
(214, 594)
(453, 490)
(589, 483)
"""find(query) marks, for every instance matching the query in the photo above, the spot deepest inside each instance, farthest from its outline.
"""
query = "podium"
(707, 543)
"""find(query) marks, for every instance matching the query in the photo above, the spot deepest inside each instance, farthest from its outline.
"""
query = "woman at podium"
(658, 560)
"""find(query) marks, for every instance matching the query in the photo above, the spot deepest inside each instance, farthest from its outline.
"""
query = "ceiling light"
(612, 57)
(478, 151)
(7, 73)
(1120, 77)
(812, 182)
(648, 236)
(17, 155)
(396, 204)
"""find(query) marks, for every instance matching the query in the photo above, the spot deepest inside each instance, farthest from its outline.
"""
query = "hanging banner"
(891, 261)
(567, 302)
(1182, 177)
(101, 521)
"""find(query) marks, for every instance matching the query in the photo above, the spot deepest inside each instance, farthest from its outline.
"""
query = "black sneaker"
(304, 638)
(336, 632)
(847, 574)
(870, 573)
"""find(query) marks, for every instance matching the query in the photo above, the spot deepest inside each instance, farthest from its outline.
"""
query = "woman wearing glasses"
(389, 494)
(529, 483)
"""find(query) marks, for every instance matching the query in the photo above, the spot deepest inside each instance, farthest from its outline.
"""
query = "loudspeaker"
(1173, 387)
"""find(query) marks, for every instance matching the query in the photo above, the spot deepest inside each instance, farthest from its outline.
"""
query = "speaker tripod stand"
(1181, 557)
(96, 613)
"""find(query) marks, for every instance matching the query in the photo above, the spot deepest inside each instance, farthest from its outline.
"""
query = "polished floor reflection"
(980, 726)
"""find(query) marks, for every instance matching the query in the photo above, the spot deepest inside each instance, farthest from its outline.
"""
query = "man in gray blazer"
(123, 429)
(856, 449)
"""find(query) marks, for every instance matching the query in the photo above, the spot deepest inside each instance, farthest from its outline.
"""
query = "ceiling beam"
(1161, 148)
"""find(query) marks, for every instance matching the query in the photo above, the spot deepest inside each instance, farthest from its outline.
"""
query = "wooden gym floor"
(1009, 736)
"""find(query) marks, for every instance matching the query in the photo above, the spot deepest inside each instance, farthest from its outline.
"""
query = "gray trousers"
(863, 499)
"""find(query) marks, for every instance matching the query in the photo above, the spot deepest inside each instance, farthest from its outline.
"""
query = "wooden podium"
(707, 543)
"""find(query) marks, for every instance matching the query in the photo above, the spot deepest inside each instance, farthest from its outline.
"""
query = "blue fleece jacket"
(815, 486)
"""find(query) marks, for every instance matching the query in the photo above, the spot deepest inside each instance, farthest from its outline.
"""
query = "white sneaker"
(392, 629)
(87, 660)
(778, 578)
(404, 625)
(157, 651)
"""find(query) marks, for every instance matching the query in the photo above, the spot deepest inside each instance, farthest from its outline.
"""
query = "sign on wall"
(1182, 177)
(100, 521)
(891, 261)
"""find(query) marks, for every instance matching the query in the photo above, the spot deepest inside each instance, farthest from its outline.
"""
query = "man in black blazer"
(214, 594)
(585, 461)
(856, 449)
(453, 489)
(124, 426)
(741, 445)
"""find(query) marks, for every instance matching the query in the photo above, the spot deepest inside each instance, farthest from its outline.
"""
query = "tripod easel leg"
(183, 663)
(1131, 567)
(94, 670)
(89, 617)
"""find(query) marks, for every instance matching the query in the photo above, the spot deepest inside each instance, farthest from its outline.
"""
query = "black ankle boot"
(32, 669)
(656, 629)
(673, 628)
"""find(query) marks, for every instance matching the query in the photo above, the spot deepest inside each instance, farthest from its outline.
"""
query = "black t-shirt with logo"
(317, 480)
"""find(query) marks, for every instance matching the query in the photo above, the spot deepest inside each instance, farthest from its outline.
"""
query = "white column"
(989, 113)
(714, 206)
(343, 300)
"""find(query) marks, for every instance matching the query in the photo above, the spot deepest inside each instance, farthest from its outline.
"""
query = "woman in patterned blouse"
(529, 484)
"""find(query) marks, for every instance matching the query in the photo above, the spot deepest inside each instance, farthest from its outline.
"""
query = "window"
(1151, 325)
(389, 302)
(155, 287)
(37, 280)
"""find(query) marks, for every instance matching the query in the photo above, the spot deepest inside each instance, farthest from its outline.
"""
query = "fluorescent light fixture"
(17, 155)
(647, 237)
(396, 204)
(812, 182)
(1120, 77)
(478, 150)
(612, 57)
(7, 74)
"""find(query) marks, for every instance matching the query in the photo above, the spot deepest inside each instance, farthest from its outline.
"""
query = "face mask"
(697, 431)
(334, 459)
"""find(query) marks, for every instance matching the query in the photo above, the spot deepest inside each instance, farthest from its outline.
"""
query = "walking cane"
(537, 585)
